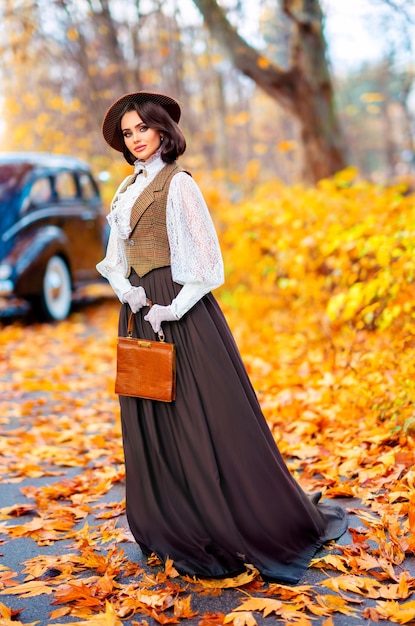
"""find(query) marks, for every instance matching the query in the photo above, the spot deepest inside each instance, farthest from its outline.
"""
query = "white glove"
(158, 314)
(136, 298)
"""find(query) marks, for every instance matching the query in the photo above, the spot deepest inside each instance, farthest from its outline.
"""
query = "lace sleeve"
(113, 266)
(196, 260)
(194, 245)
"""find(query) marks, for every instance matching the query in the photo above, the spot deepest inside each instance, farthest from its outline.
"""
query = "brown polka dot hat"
(110, 128)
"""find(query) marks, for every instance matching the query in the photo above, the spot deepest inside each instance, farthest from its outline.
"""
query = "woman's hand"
(159, 314)
(136, 298)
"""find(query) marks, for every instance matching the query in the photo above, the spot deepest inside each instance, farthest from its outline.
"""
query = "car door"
(69, 210)
(94, 216)
(80, 209)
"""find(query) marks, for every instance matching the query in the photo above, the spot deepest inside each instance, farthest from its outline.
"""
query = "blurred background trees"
(282, 114)
(303, 87)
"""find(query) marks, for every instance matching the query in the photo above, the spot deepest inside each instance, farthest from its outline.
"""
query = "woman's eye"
(143, 128)
(127, 134)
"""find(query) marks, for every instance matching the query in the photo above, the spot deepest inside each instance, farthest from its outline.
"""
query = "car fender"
(30, 256)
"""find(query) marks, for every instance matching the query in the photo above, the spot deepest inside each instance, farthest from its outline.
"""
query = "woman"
(205, 483)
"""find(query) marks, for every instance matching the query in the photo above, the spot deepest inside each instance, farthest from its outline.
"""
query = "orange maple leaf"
(29, 589)
(109, 618)
(211, 619)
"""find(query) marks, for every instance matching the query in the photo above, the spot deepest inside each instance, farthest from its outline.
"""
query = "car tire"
(54, 303)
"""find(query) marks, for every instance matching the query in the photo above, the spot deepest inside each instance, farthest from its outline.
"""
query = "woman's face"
(140, 140)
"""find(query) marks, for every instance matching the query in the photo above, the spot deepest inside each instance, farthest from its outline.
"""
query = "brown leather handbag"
(145, 369)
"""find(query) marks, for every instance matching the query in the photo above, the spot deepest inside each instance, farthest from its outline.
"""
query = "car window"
(88, 189)
(65, 185)
(40, 192)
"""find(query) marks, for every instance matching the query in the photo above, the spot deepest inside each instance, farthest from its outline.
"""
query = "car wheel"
(54, 303)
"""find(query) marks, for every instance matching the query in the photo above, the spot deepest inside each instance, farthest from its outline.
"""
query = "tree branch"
(309, 16)
(276, 81)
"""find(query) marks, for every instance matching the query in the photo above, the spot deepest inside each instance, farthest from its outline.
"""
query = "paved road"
(14, 552)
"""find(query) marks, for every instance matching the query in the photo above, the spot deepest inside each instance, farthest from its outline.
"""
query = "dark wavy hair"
(155, 116)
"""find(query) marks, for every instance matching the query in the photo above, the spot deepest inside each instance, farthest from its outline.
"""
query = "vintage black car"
(53, 229)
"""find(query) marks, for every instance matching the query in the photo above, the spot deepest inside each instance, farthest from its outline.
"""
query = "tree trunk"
(305, 89)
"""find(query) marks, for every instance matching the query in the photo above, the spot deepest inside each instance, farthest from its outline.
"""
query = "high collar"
(151, 165)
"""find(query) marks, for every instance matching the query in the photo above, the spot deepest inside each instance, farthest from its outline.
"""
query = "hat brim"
(110, 128)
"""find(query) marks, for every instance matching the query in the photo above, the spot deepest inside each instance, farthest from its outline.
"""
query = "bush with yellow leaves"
(343, 247)
(320, 283)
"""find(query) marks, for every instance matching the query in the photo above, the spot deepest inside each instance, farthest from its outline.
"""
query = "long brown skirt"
(206, 485)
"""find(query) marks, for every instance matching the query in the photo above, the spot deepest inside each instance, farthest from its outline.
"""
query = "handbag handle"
(131, 320)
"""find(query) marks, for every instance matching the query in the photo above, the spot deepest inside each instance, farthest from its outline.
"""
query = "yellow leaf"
(400, 613)
(263, 63)
(265, 605)
(183, 609)
(7, 618)
(336, 604)
(226, 583)
(5, 612)
(29, 589)
(330, 560)
(411, 514)
(357, 584)
(242, 618)
(65, 610)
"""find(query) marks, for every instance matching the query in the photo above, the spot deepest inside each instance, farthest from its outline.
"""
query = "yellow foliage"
(12, 106)
(348, 248)
(260, 148)
(72, 34)
(318, 277)
(401, 614)
(263, 63)
(29, 101)
(203, 61)
(240, 119)
(252, 169)
(372, 97)
(287, 146)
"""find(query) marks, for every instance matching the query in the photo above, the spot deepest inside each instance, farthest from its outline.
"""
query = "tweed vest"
(148, 245)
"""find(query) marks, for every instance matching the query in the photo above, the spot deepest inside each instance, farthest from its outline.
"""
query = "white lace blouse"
(196, 260)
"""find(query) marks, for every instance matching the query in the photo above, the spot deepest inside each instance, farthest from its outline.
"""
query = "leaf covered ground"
(320, 296)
